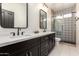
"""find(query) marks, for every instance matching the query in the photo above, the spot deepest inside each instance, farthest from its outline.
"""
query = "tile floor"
(65, 49)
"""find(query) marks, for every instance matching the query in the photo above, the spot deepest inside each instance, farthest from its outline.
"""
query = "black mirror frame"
(13, 27)
(40, 19)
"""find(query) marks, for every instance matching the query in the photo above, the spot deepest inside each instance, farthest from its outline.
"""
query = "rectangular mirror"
(43, 19)
(14, 15)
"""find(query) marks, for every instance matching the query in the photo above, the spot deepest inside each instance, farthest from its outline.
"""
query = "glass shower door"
(69, 29)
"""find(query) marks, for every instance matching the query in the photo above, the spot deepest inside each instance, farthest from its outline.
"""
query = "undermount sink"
(19, 36)
(27, 35)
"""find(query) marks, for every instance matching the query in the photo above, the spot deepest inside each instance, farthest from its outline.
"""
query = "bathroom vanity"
(39, 44)
(33, 45)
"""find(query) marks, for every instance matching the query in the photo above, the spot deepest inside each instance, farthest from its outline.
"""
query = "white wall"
(33, 10)
(49, 20)
(33, 19)
(77, 32)
(77, 24)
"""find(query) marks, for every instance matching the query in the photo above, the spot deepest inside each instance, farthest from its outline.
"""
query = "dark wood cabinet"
(33, 42)
(51, 41)
(7, 19)
(40, 46)
(34, 51)
(34, 47)
(44, 45)
(47, 44)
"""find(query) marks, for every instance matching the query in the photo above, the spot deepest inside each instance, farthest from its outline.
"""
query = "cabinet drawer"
(44, 39)
(52, 35)
(33, 42)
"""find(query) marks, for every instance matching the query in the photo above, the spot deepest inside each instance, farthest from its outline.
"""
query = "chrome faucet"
(18, 31)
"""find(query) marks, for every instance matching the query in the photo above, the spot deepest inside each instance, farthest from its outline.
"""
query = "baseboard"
(69, 42)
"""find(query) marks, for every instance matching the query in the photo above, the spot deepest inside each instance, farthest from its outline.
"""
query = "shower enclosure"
(65, 25)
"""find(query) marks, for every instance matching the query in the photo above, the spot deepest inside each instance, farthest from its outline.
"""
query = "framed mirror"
(43, 19)
(14, 15)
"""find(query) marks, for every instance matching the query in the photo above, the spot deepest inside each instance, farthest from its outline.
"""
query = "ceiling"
(59, 6)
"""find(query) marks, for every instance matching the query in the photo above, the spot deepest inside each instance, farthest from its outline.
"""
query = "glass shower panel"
(58, 27)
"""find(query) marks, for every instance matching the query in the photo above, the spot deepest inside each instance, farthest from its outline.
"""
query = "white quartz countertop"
(7, 40)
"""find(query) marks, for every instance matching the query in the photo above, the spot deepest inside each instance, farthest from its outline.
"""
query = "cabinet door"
(51, 41)
(7, 19)
(33, 42)
(35, 51)
(44, 46)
